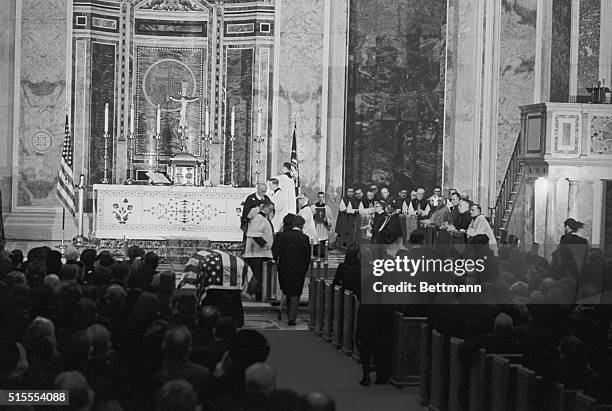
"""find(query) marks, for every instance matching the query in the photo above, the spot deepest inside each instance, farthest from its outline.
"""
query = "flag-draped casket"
(215, 269)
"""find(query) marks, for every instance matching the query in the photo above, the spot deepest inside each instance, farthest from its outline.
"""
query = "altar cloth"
(168, 212)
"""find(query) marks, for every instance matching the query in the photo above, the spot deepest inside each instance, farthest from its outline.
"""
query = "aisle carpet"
(304, 362)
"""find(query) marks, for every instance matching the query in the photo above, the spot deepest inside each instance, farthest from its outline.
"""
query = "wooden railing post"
(337, 320)
(328, 310)
(347, 323)
(425, 368)
(355, 315)
(319, 304)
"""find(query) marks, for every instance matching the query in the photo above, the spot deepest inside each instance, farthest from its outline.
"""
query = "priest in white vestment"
(306, 213)
(287, 186)
(277, 196)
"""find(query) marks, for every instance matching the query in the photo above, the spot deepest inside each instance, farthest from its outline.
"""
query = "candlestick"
(131, 148)
(259, 122)
(207, 122)
(105, 180)
(233, 121)
(80, 239)
(132, 115)
(106, 118)
(158, 122)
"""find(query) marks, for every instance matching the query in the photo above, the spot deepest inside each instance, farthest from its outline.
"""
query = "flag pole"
(63, 246)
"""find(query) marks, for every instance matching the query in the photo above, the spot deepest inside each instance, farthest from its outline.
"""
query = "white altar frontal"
(168, 212)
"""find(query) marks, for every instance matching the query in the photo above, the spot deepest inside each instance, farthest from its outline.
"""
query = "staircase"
(502, 211)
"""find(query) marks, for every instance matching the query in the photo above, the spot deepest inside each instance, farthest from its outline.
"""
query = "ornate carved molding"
(171, 5)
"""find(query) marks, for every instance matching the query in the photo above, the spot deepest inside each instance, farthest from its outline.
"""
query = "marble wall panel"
(7, 70)
(103, 91)
(588, 47)
(560, 58)
(160, 73)
(42, 100)
(516, 75)
(239, 89)
(300, 85)
(395, 92)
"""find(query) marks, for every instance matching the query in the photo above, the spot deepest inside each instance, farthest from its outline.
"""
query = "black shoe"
(381, 380)
(291, 323)
(365, 381)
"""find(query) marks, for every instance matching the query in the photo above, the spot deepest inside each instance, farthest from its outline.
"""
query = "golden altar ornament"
(185, 169)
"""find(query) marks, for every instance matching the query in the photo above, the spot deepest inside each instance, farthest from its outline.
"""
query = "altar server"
(347, 222)
(309, 225)
(287, 186)
(277, 195)
(323, 223)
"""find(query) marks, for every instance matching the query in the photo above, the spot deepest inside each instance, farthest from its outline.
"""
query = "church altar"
(168, 212)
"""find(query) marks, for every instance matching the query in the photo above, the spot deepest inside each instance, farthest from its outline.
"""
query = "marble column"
(560, 46)
(337, 57)
(572, 198)
(585, 50)
(41, 90)
(7, 78)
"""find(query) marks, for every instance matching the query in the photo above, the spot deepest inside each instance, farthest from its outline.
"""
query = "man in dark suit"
(251, 205)
(389, 229)
(175, 365)
(291, 250)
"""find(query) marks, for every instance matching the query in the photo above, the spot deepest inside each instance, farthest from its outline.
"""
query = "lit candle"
(106, 118)
(206, 122)
(158, 124)
(259, 123)
(233, 121)
(132, 115)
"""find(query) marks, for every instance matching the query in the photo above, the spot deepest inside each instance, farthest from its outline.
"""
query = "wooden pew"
(320, 305)
(478, 381)
(583, 402)
(328, 307)
(406, 351)
(355, 355)
(347, 323)
(439, 372)
(528, 385)
(425, 367)
(312, 308)
(502, 387)
(455, 375)
(337, 320)
(563, 398)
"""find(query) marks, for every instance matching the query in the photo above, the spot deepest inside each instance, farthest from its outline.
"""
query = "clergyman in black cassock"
(347, 222)
(253, 200)
(291, 250)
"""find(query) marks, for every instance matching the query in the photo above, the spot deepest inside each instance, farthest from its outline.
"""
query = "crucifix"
(184, 100)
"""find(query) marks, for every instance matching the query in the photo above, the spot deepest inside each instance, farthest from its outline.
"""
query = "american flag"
(294, 162)
(209, 269)
(65, 181)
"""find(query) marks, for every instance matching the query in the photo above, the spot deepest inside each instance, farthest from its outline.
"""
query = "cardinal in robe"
(277, 196)
(323, 223)
(347, 221)
(251, 205)
(287, 185)
(419, 206)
